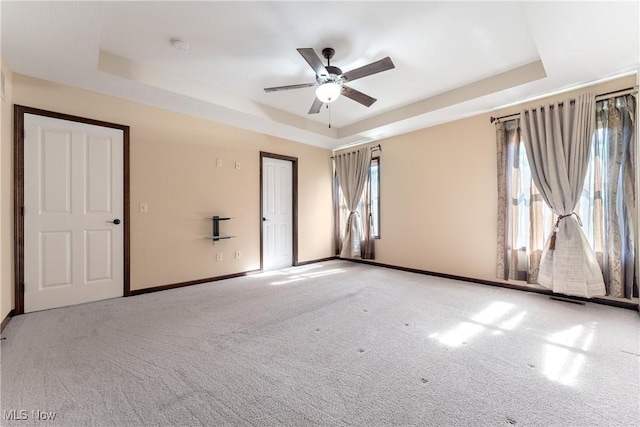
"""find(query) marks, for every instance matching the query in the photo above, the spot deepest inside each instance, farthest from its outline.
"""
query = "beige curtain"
(524, 220)
(352, 170)
(364, 211)
(557, 140)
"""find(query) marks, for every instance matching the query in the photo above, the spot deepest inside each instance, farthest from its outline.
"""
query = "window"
(606, 207)
(374, 191)
(369, 206)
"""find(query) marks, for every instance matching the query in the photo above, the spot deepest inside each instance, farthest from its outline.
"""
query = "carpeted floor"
(329, 344)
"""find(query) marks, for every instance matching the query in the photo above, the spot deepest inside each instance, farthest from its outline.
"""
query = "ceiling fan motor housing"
(334, 73)
(334, 76)
(334, 70)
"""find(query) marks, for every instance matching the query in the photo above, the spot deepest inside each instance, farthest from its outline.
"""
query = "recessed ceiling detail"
(497, 53)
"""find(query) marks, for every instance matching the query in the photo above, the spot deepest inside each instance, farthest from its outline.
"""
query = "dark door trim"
(18, 193)
(294, 209)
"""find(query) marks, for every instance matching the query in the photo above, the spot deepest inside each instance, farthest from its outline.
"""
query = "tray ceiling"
(452, 59)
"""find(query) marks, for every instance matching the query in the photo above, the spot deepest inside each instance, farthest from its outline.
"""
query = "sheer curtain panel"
(352, 170)
(557, 140)
(523, 218)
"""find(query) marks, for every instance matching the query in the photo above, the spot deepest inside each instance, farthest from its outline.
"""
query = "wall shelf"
(216, 229)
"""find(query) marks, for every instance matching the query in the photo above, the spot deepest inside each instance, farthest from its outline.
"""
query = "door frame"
(18, 194)
(294, 208)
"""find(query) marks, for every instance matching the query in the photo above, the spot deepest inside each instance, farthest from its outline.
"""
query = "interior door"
(73, 213)
(277, 213)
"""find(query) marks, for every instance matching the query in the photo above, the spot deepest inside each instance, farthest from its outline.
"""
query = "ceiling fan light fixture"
(328, 92)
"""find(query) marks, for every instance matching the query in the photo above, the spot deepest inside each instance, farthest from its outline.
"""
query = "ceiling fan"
(330, 81)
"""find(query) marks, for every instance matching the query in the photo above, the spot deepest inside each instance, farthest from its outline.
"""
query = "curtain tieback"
(552, 244)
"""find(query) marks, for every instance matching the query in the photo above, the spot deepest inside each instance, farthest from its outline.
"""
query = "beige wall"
(6, 195)
(173, 170)
(439, 194)
(438, 189)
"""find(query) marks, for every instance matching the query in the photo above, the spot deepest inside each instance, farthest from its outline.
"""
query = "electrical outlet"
(238, 255)
(144, 208)
(237, 165)
(219, 256)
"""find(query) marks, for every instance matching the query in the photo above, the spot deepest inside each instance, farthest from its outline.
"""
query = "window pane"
(375, 196)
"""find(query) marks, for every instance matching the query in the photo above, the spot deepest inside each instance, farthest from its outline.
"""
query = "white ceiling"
(452, 59)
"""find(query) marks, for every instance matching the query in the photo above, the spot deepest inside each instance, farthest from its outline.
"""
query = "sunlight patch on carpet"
(490, 318)
(297, 274)
(564, 354)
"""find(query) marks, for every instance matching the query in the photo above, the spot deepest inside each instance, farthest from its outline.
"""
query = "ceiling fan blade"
(312, 59)
(277, 88)
(358, 96)
(373, 68)
(315, 107)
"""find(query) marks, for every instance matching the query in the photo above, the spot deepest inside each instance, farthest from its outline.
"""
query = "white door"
(73, 195)
(277, 217)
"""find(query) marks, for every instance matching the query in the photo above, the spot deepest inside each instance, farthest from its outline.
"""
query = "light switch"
(218, 163)
(237, 165)
(144, 208)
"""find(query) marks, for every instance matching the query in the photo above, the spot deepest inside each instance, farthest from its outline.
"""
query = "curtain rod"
(374, 148)
(632, 89)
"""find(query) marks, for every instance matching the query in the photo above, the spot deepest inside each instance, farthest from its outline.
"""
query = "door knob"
(115, 221)
(264, 219)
